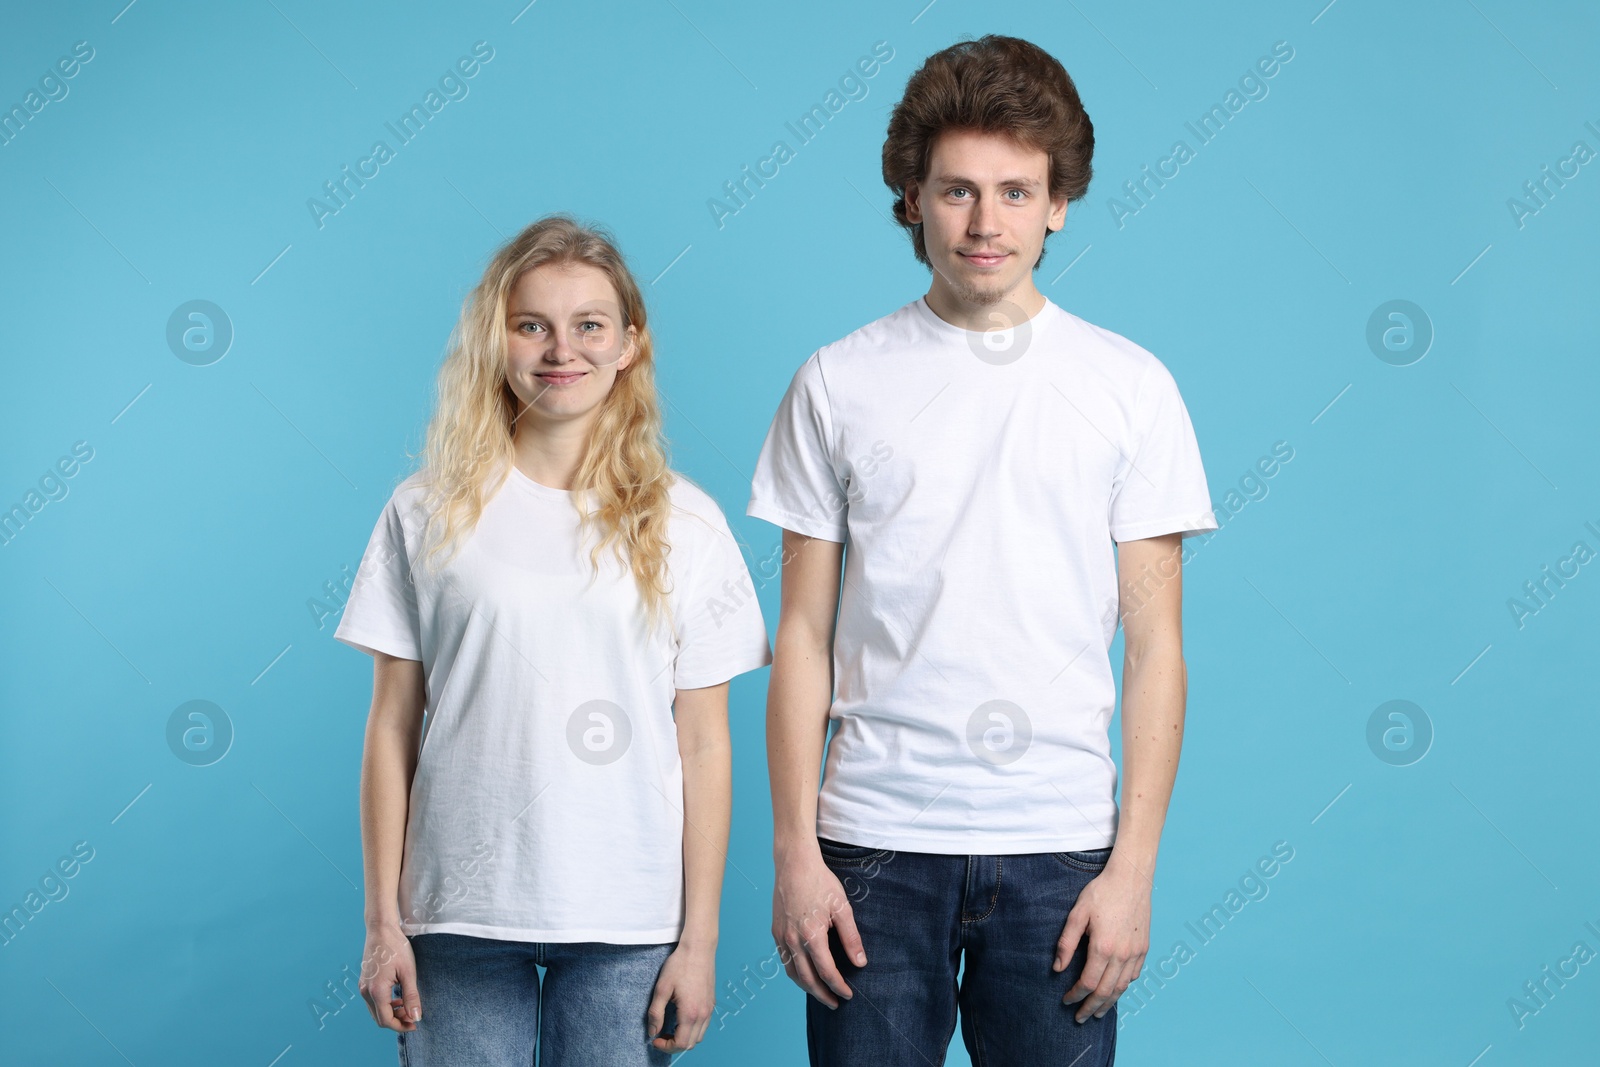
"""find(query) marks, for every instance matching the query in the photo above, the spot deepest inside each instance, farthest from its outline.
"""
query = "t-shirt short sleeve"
(380, 614)
(721, 632)
(796, 484)
(1161, 487)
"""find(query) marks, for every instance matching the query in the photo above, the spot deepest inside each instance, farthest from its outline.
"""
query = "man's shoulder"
(895, 330)
(1114, 353)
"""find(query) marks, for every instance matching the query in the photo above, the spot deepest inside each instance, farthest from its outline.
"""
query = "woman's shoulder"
(695, 509)
(409, 500)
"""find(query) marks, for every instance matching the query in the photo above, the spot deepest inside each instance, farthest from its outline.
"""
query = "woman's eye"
(528, 325)
(596, 325)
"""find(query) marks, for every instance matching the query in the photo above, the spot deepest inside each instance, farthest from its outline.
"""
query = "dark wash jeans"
(919, 914)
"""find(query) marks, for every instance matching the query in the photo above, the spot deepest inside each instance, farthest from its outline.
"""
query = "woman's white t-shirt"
(981, 480)
(547, 803)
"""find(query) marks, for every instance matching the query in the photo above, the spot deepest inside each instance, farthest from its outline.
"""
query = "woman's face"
(565, 341)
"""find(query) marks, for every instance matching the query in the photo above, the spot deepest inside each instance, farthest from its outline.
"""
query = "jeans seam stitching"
(994, 901)
(1072, 864)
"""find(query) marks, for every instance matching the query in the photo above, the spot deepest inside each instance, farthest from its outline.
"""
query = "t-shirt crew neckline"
(538, 488)
(959, 332)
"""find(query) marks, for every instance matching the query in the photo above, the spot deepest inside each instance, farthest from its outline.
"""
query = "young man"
(980, 449)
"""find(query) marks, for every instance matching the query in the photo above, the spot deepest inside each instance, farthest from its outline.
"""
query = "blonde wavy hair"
(469, 437)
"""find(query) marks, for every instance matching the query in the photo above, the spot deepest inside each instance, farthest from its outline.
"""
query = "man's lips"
(983, 259)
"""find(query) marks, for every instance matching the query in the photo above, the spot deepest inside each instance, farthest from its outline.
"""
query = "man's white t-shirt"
(547, 803)
(981, 480)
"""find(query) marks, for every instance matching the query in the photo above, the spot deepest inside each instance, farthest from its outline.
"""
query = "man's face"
(985, 208)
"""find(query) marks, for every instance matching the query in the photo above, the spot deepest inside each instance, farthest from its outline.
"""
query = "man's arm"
(807, 898)
(1115, 907)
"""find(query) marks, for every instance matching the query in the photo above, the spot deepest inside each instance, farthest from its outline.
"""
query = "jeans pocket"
(1093, 860)
(839, 854)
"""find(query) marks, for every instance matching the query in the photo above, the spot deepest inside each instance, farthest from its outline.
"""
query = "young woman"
(543, 849)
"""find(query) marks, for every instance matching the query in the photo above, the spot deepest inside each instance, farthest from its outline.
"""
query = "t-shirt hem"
(368, 642)
(810, 527)
(659, 936)
(718, 675)
(975, 843)
(1188, 525)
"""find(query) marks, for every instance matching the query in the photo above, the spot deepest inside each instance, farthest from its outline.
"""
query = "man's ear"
(913, 198)
(1058, 214)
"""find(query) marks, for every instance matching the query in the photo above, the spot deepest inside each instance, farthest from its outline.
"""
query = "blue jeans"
(920, 915)
(483, 1005)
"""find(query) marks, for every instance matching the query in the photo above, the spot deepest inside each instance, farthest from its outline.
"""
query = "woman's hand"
(386, 960)
(689, 980)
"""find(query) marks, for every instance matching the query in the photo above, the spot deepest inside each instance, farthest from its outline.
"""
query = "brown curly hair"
(992, 85)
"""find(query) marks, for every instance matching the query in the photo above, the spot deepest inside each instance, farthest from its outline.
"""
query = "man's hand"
(1115, 908)
(807, 901)
(689, 980)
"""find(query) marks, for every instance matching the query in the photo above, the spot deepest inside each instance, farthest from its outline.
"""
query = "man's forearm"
(798, 697)
(1154, 691)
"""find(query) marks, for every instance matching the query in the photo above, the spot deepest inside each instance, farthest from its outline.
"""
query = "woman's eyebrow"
(595, 309)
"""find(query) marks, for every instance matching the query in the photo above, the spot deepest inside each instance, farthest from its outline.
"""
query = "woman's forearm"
(707, 810)
(388, 762)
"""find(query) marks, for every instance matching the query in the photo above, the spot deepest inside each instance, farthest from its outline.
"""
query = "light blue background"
(1378, 565)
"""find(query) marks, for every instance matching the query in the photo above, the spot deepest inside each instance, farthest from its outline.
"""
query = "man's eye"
(1019, 193)
(957, 192)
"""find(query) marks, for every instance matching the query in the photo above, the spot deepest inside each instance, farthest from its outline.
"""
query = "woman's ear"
(630, 348)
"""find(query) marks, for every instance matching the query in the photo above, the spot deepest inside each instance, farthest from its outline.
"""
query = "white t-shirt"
(981, 479)
(548, 797)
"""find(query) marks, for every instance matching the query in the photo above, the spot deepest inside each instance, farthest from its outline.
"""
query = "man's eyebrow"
(956, 179)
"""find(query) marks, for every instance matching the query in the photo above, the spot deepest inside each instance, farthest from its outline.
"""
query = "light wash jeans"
(485, 1004)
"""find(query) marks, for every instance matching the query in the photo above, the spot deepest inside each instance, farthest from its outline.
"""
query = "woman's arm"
(388, 761)
(689, 977)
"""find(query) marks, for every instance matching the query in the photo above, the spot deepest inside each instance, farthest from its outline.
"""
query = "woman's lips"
(561, 378)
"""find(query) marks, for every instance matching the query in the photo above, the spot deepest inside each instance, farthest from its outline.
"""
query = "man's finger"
(844, 921)
(806, 977)
(1071, 934)
(1114, 987)
(1098, 979)
(821, 956)
(1094, 969)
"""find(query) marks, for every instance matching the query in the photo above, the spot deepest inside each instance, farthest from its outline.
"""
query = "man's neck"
(1017, 305)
